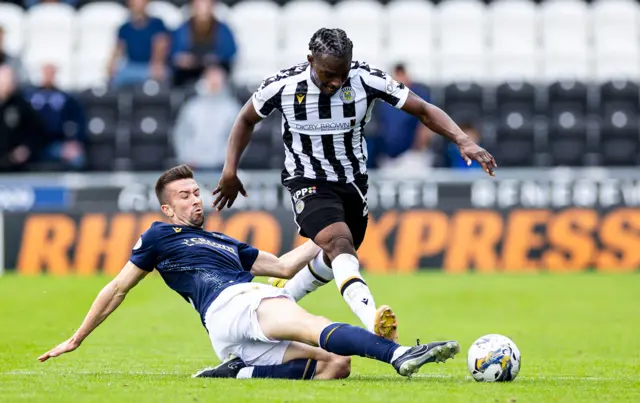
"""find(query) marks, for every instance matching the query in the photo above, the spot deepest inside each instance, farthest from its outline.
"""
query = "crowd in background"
(43, 125)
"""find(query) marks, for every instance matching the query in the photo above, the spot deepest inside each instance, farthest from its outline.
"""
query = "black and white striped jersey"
(324, 135)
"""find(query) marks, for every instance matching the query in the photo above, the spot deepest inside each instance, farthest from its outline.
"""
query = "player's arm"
(264, 101)
(439, 122)
(287, 265)
(106, 302)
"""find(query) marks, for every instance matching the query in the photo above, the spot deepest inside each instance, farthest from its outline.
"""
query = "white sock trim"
(399, 351)
(245, 373)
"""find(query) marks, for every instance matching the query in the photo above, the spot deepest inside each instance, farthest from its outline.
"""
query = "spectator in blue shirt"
(64, 121)
(403, 139)
(142, 48)
(200, 41)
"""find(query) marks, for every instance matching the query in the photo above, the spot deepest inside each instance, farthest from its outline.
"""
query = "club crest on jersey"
(299, 206)
(300, 98)
(177, 229)
(347, 95)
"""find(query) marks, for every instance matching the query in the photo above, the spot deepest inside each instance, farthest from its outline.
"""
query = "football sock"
(346, 270)
(307, 280)
(347, 340)
(294, 369)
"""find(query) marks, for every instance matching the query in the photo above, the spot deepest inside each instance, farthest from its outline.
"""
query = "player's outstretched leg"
(301, 362)
(282, 319)
(337, 243)
(314, 275)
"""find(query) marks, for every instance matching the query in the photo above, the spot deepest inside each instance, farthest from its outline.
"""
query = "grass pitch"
(579, 336)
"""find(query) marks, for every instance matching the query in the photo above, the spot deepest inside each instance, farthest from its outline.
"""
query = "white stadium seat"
(50, 38)
(411, 37)
(256, 26)
(167, 12)
(300, 20)
(12, 21)
(463, 40)
(363, 21)
(98, 25)
(616, 36)
(565, 40)
(513, 38)
(220, 10)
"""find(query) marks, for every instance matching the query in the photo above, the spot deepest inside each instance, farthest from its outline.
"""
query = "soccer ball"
(494, 358)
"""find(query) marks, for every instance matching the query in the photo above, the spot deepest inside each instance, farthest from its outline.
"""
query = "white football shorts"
(232, 322)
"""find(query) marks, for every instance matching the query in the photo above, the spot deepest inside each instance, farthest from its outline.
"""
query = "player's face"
(329, 72)
(185, 203)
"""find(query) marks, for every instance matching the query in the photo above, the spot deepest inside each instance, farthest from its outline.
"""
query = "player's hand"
(227, 190)
(472, 151)
(66, 346)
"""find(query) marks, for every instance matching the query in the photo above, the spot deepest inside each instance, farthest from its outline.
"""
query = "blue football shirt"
(195, 263)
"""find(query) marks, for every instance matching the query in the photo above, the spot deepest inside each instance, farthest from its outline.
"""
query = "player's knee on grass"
(336, 240)
(334, 367)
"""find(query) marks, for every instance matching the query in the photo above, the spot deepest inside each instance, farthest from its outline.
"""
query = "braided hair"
(334, 42)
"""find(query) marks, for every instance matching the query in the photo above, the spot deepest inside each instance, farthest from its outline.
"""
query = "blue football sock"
(347, 340)
(294, 369)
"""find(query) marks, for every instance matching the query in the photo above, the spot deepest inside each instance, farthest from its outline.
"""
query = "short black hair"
(334, 42)
(174, 174)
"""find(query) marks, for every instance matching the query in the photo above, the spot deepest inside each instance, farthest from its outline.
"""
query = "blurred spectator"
(12, 61)
(142, 48)
(21, 130)
(64, 121)
(404, 141)
(204, 122)
(453, 158)
(201, 40)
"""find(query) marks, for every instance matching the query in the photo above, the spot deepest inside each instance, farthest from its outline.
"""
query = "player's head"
(179, 196)
(330, 58)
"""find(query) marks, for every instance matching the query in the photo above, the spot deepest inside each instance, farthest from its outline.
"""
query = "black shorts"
(318, 204)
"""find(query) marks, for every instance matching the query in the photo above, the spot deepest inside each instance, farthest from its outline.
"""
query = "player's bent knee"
(340, 245)
(342, 367)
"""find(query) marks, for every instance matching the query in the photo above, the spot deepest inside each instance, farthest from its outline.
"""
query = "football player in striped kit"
(326, 103)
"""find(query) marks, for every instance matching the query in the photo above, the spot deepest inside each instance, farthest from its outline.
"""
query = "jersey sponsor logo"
(347, 95)
(202, 241)
(322, 126)
(300, 98)
(176, 229)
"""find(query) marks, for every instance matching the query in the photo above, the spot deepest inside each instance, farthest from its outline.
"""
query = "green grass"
(579, 336)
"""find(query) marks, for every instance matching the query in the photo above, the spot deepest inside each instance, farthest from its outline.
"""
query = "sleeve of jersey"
(144, 253)
(385, 88)
(248, 255)
(268, 98)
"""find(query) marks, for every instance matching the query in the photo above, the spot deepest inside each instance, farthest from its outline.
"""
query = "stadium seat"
(616, 37)
(51, 38)
(256, 26)
(363, 20)
(619, 93)
(298, 27)
(167, 12)
(567, 140)
(463, 40)
(220, 10)
(101, 109)
(12, 21)
(568, 57)
(515, 139)
(620, 138)
(149, 134)
(464, 101)
(408, 22)
(568, 94)
(513, 35)
(98, 25)
(151, 94)
(516, 95)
